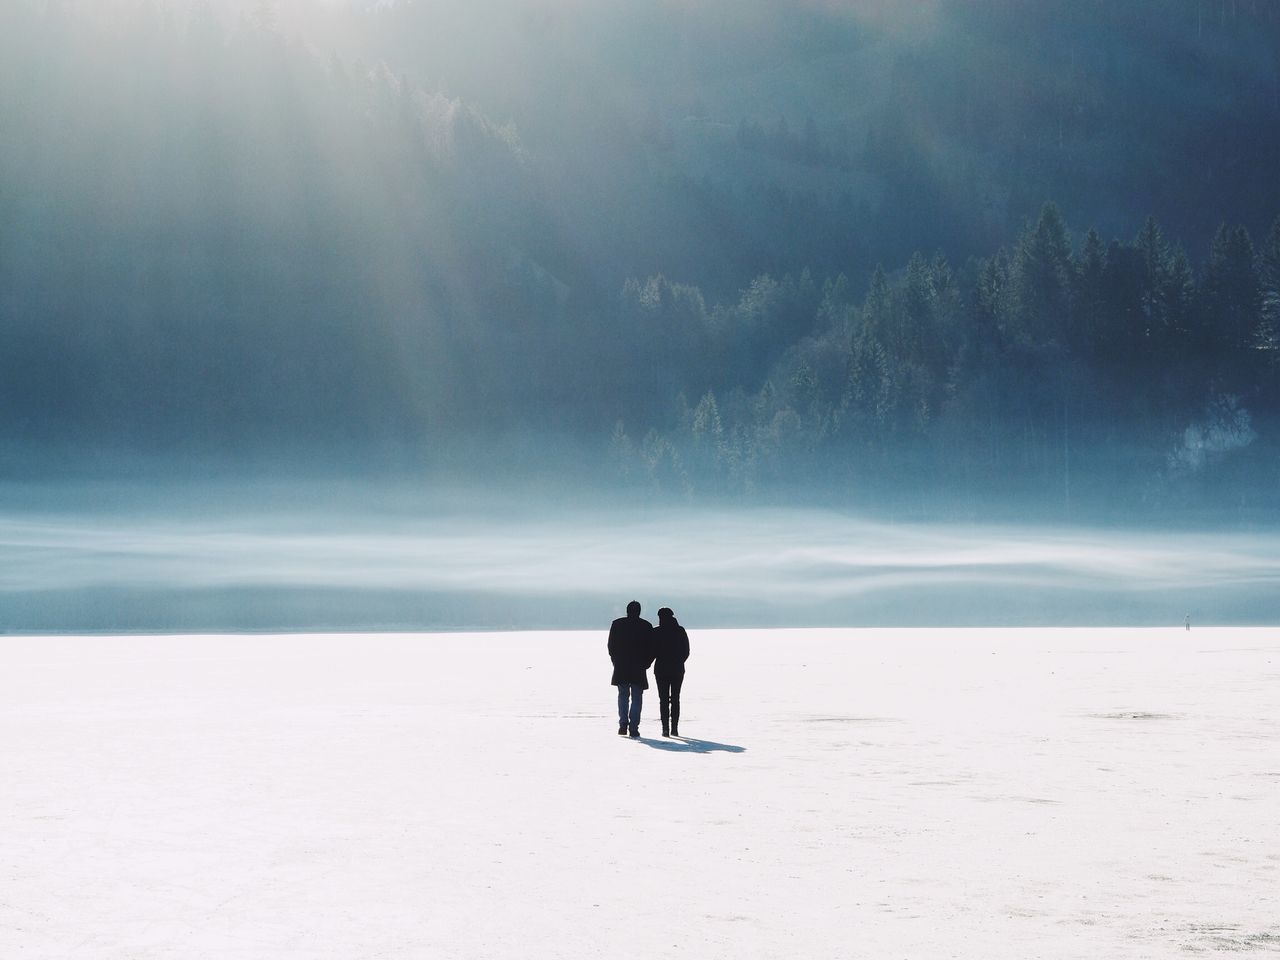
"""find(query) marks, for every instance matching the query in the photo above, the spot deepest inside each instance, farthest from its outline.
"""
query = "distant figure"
(1188, 621)
(631, 650)
(671, 650)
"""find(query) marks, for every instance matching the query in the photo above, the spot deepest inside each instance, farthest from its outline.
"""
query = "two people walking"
(634, 645)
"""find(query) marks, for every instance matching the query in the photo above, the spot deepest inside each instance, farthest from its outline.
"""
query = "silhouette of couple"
(634, 644)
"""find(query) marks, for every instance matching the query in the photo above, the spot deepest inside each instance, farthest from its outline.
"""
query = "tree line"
(1045, 368)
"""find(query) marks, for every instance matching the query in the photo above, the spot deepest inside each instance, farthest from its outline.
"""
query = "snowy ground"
(842, 794)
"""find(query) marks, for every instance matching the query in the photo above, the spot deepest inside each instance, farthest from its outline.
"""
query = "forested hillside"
(862, 252)
(1112, 372)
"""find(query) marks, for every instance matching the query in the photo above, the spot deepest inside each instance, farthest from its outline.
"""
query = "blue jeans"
(631, 719)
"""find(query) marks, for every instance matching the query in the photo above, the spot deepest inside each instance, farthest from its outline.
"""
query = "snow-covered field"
(842, 794)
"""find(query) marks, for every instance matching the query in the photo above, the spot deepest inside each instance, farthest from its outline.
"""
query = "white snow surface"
(839, 794)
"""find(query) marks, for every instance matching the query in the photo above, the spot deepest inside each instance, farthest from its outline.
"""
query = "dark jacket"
(671, 649)
(631, 650)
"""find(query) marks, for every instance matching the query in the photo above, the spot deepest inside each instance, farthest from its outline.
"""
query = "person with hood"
(631, 650)
(671, 650)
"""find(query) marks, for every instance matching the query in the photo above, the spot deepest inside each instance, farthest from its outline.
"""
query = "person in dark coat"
(631, 650)
(671, 650)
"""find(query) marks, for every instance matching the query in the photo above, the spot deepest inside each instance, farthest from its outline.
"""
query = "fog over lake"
(493, 562)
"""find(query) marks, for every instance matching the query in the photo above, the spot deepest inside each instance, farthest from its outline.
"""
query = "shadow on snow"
(685, 745)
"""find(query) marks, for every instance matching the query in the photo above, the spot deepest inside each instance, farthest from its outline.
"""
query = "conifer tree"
(1232, 298)
(1044, 270)
(1269, 289)
(1087, 300)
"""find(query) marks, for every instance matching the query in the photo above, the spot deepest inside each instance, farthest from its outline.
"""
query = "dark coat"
(631, 650)
(671, 649)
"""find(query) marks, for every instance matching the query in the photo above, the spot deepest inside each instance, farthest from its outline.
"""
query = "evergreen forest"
(955, 257)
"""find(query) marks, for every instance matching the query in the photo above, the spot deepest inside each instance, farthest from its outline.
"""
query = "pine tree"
(1269, 288)
(1153, 255)
(1121, 338)
(1044, 272)
(706, 448)
(918, 301)
(1088, 309)
(876, 306)
(1231, 289)
(706, 427)
(1179, 299)
(989, 302)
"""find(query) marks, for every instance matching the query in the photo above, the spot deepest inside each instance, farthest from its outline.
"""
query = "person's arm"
(684, 645)
(650, 647)
(613, 642)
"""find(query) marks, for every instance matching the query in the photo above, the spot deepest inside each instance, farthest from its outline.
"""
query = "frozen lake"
(272, 560)
(843, 793)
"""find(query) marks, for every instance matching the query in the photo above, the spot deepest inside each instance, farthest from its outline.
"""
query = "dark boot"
(675, 732)
(666, 729)
(622, 729)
